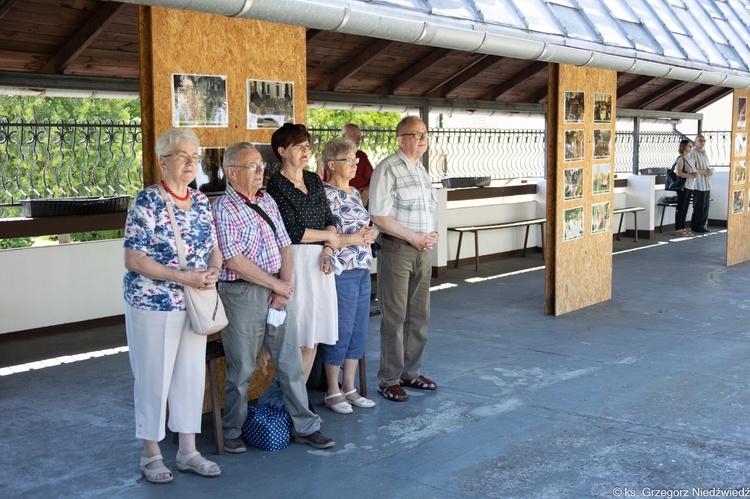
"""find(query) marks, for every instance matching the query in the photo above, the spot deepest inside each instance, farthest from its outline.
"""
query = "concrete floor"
(643, 393)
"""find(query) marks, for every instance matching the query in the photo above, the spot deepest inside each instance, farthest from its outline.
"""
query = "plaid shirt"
(403, 190)
(240, 230)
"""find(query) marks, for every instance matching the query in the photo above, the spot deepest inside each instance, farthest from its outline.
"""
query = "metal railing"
(507, 154)
(75, 159)
(72, 159)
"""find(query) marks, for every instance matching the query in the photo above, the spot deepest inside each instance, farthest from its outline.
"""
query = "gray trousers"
(404, 297)
(246, 305)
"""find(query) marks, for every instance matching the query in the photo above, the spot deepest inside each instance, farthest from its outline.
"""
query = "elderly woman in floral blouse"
(168, 359)
(352, 267)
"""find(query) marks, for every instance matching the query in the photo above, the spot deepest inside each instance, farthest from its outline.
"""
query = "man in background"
(702, 188)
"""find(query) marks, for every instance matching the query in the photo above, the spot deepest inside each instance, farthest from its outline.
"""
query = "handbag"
(267, 427)
(672, 182)
(204, 307)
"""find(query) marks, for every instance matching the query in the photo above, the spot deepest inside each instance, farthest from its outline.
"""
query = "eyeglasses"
(184, 157)
(416, 135)
(349, 161)
(252, 166)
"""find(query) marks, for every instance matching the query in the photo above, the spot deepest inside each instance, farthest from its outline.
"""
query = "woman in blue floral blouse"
(168, 359)
(352, 267)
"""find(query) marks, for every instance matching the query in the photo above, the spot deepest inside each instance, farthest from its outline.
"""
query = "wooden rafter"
(532, 69)
(351, 67)
(5, 6)
(312, 33)
(537, 97)
(415, 69)
(83, 38)
(680, 100)
(633, 85)
(658, 94)
(713, 97)
(467, 74)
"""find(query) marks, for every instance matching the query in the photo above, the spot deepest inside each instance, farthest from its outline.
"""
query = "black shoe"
(234, 445)
(700, 231)
(317, 440)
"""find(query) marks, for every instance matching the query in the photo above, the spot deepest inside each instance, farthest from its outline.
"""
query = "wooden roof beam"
(415, 69)
(351, 67)
(531, 70)
(633, 85)
(464, 76)
(713, 97)
(312, 33)
(5, 6)
(680, 99)
(658, 94)
(83, 38)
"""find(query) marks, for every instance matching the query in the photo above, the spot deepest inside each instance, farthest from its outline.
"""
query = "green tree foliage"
(64, 109)
(338, 118)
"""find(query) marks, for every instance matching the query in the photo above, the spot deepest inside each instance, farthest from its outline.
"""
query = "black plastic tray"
(60, 207)
(455, 182)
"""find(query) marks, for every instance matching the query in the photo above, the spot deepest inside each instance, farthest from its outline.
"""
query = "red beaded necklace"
(173, 194)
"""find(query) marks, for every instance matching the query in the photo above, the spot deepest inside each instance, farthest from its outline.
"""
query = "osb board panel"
(582, 256)
(738, 214)
(195, 43)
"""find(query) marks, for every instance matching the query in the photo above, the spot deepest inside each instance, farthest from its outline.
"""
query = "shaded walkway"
(649, 389)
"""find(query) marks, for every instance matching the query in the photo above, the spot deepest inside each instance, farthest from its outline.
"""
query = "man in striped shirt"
(702, 186)
(255, 281)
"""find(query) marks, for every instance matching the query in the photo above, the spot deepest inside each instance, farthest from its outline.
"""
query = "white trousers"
(169, 364)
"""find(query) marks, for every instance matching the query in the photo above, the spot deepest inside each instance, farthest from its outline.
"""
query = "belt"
(242, 281)
(393, 238)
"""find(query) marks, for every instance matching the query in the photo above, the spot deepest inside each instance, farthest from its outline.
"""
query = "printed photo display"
(199, 101)
(573, 223)
(574, 107)
(573, 183)
(270, 104)
(600, 216)
(602, 108)
(738, 201)
(602, 144)
(740, 172)
(574, 145)
(740, 144)
(741, 113)
(210, 176)
(601, 175)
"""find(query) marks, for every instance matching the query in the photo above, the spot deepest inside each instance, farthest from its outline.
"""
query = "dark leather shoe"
(317, 440)
(234, 445)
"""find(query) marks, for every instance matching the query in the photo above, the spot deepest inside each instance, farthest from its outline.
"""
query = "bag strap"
(262, 214)
(175, 228)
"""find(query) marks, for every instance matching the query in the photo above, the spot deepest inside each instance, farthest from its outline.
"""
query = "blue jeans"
(353, 290)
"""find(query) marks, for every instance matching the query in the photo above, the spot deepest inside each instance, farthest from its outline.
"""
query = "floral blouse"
(148, 229)
(349, 216)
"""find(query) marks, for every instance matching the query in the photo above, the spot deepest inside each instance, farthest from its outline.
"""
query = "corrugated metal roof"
(700, 41)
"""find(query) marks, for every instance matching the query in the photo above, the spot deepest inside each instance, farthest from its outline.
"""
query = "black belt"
(242, 281)
(393, 238)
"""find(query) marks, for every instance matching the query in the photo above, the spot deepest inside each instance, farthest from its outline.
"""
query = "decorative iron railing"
(72, 159)
(507, 154)
(76, 159)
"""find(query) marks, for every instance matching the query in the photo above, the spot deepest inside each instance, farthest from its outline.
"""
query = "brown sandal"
(420, 383)
(393, 392)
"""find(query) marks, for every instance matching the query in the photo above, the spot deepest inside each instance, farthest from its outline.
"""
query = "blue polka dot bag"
(267, 427)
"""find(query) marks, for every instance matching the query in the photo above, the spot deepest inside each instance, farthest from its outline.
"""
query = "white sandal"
(182, 461)
(340, 407)
(152, 474)
(360, 402)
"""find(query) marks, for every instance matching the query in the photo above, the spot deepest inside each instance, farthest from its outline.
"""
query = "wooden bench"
(622, 211)
(506, 225)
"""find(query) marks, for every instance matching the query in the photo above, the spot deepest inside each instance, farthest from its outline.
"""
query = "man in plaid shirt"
(255, 281)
